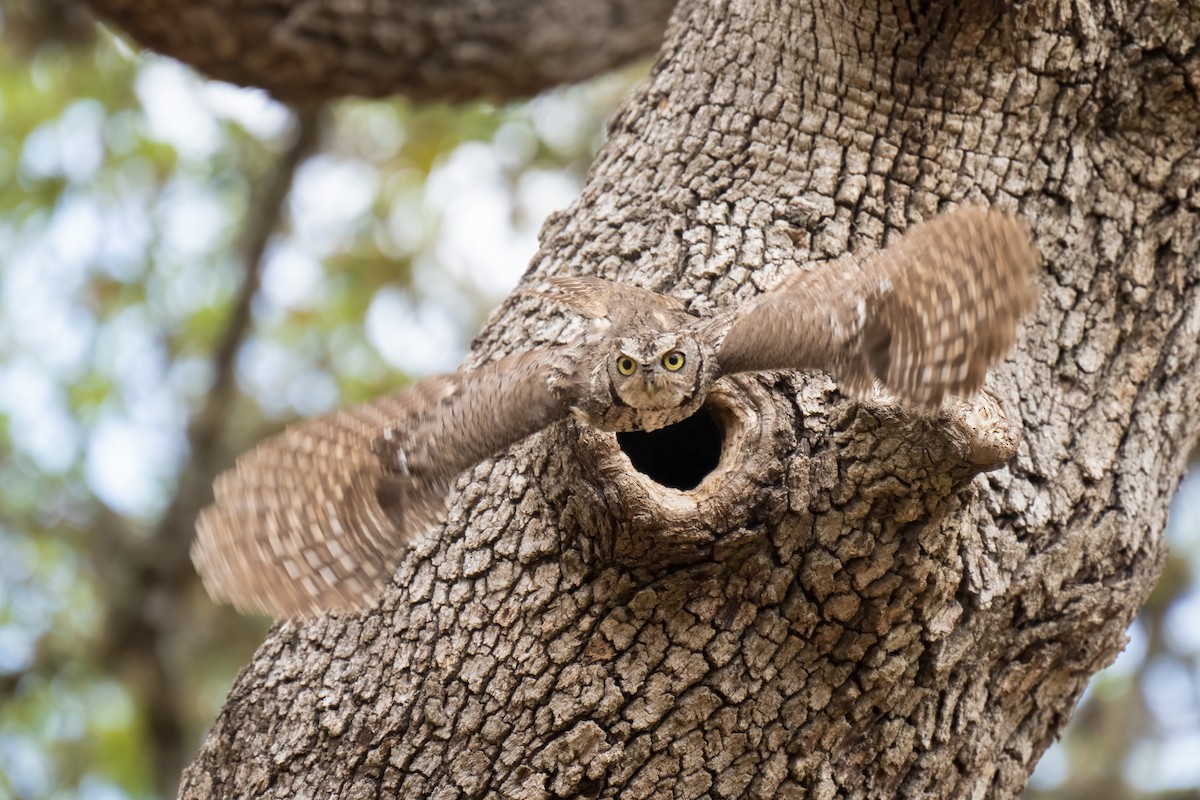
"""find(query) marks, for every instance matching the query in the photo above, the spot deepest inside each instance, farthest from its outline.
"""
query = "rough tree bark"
(850, 604)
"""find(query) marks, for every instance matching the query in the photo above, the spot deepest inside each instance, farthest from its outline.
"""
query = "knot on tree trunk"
(705, 488)
(983, 430)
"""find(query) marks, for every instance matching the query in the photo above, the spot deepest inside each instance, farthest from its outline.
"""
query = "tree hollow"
(679, 456)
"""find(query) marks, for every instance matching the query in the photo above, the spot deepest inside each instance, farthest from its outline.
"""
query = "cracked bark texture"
(858, 601)
(307, 51)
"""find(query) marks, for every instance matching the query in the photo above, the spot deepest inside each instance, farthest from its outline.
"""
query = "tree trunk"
(848, 604)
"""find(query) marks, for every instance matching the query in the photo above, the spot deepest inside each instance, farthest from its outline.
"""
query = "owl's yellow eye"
(626, 365)
(673, 360)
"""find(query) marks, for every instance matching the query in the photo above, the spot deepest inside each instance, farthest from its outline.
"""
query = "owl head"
(656, 372)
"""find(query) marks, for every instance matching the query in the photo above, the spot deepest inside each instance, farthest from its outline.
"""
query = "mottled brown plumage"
(317, 518)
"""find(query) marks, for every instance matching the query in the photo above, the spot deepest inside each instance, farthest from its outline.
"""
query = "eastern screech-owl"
(317, 518)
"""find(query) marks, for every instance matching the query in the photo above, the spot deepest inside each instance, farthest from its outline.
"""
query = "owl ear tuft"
(582, 294)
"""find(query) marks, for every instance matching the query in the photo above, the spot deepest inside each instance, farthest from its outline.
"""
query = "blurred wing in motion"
(596, 298)
(317, 518)
(926, 316)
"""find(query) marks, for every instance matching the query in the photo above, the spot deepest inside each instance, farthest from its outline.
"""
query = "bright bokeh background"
(131, 193)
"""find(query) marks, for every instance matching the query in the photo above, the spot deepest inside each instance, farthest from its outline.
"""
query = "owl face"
(656, 372)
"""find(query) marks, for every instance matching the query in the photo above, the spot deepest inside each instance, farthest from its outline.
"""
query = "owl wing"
(595, 297)
(317, 517)
(925, 316)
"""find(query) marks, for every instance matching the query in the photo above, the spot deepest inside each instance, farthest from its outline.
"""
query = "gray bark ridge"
(850, 608)
(307, 51)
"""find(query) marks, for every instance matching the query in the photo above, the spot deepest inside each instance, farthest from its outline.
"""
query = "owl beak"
(652, 385)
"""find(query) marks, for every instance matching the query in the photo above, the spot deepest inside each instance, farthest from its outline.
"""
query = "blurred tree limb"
(306, 50)
(148, 578)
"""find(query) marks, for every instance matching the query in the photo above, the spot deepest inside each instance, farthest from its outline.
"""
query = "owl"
(317, 518)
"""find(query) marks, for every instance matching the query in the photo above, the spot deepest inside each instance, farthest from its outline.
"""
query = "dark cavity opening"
(679, 455)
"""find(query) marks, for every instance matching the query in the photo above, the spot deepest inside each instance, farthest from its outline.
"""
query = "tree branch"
(308, 50)
(146, 577)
